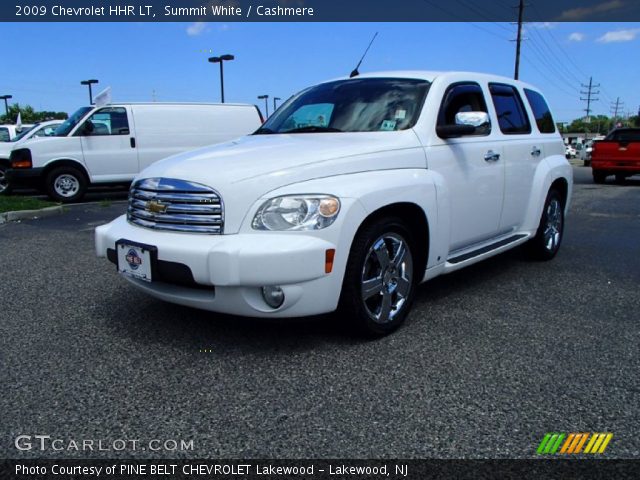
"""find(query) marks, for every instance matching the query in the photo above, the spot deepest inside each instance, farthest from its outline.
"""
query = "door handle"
(132, 141)
(535, 151)
(491, 156)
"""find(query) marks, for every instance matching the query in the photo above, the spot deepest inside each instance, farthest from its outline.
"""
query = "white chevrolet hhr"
(353, 193)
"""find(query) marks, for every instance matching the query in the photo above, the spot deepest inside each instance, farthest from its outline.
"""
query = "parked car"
(569, 151)
(349, 196)
(43, 129)
(110, 144)
(9, 132)
(618, 154)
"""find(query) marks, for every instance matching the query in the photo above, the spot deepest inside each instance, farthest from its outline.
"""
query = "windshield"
(355, 105)
(68, 125)
(22, 133)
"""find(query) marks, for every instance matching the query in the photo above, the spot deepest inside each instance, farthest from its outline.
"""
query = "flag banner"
(315, 10)
(103, 98)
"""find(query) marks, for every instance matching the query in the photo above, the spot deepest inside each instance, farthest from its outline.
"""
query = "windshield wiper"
(263, 131)
(312, 128)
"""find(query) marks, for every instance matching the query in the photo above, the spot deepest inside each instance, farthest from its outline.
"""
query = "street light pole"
(6, 104)
(274, 103)
(221, 59)
(266, 104)
(89, 83)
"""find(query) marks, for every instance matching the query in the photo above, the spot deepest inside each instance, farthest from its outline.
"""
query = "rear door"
(108, 145)
(522, 151)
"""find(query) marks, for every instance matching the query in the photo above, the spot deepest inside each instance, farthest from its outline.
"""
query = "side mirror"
(87, 128)
(475, 119)
(467, 123)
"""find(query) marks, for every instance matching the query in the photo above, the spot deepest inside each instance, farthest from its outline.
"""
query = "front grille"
(175, 205)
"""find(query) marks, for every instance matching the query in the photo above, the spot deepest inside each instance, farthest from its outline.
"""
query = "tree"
(29, 115)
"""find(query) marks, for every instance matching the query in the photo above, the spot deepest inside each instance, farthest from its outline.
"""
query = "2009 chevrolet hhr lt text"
(349, 196)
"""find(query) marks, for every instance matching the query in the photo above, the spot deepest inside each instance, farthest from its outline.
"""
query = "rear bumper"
(631, 165)
(26, 178)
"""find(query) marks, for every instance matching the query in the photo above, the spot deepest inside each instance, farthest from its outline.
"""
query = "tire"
(620, 178)
(379, 283)
(546, 243)
(599, 177)
(5, 186)
(66, 184)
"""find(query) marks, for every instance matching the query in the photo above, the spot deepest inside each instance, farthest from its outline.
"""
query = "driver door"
(108, 146)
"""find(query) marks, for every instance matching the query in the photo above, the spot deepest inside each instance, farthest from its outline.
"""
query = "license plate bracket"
(136, 260)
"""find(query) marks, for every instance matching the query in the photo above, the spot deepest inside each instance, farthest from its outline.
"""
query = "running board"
(486, 249)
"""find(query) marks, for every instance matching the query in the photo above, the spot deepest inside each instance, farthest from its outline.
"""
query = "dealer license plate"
(135, 260)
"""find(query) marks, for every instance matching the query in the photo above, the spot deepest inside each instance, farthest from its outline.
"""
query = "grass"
(12, 203)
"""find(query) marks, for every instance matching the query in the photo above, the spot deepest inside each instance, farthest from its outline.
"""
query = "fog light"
(273, 296)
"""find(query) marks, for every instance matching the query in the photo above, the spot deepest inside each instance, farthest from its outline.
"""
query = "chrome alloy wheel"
(66, 185)
(553, 225)
(387, 275)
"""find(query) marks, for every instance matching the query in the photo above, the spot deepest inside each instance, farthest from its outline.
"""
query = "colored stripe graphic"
(551, 443)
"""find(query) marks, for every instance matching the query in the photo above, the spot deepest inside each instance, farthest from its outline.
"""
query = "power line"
(548, 79)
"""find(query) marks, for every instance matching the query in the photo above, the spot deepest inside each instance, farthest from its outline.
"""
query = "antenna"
(355, 72)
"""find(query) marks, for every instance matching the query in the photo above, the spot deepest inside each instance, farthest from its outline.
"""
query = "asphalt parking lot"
(491, 358)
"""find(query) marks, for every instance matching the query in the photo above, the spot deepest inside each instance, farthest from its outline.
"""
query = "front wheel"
(5, 187)
(546, 243)
(379, 282)
(66, 184)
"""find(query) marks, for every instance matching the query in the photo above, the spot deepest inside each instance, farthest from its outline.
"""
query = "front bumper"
(226, 272)
(25, 177)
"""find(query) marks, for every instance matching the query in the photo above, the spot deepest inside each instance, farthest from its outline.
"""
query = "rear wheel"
(5, 187)
(546, 243)
(66, 184)
(379, 282)
(599, 177)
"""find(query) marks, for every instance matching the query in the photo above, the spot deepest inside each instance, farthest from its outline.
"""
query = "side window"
(541, 111)
(512, 116)
(4, 135)
(463, 97)
(110, 121)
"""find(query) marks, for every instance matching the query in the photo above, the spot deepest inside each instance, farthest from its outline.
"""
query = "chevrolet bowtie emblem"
(156, 207)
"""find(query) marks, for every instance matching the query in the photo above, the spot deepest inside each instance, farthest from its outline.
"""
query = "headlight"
(297, 212)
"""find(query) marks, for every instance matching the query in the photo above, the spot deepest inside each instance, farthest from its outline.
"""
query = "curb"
(29, 214)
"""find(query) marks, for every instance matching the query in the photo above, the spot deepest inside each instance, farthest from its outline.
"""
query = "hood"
(246, 169)
(287, 158)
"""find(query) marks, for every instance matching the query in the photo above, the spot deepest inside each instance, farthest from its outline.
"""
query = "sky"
(168, 61)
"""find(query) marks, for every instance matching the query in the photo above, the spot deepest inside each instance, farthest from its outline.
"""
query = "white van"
(43, 129)
(112, 143)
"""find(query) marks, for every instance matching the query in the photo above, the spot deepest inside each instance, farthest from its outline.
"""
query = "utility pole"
(516, 74)
(615, 107)
(590, 94)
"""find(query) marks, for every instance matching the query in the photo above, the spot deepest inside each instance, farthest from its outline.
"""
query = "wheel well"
(562, 187)
(66, 163)
(5, 161)
(416, 222)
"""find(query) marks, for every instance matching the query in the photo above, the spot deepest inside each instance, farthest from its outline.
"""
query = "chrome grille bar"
(175, 205)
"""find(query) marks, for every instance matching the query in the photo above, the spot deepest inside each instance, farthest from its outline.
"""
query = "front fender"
(362, 194)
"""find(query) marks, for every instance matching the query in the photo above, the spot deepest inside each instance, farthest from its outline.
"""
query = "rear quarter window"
(541, 111)
(4, 135)
(512, 117)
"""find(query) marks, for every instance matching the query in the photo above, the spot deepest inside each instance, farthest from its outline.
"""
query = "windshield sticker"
(401, 114)
(388, 125)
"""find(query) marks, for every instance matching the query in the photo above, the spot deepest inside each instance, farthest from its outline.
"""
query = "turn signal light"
(21, 158)
(328, 260)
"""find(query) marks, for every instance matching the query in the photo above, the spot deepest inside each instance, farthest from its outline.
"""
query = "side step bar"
(485, 249)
